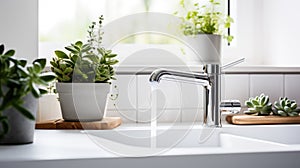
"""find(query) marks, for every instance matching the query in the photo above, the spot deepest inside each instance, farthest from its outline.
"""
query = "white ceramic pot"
(207, 47)
(49, 108)
(82, 101)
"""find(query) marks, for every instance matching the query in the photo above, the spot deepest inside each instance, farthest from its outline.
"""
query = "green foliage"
(18, 80)
(286, 107)
(259, 105)
(88, 62)
(205, 20)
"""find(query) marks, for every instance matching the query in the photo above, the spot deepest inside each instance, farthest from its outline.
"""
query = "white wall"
(281, 32)
(267, 32)
(247, 32)
(19, 27)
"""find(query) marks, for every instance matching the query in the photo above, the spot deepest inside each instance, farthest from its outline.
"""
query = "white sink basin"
(284, 134)
(138, 142)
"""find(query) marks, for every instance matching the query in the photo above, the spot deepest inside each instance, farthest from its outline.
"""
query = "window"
(64, 21)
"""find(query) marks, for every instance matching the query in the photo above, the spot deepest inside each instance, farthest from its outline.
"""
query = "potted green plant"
(204, 26)
(20, 86)
(84, 74)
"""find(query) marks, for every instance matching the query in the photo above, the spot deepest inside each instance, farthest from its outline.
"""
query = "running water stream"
(154, 87)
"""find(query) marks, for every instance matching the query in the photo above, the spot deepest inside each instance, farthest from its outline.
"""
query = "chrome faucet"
(209, 79)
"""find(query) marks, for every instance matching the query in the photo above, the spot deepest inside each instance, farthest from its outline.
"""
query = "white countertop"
(76, 144)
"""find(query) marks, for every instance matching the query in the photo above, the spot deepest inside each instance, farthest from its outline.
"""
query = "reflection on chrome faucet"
(210, 79)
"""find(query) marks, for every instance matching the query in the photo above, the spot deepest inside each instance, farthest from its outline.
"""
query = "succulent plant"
(88, 62)
(259, 105)
(286, 107)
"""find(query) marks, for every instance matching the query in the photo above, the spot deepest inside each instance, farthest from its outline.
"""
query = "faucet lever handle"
(233, 63)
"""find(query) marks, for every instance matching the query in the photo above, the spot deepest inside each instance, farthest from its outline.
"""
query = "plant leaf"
(35, 90)
(47, 77)
(292, 114)
(41, 61)
(43, 91)
(1, 49)
(294, 106)
(71, 49)
(61, 54)
(282, 113)
(249, 104)
(255, 102)
(10, 53)
(37, 67)
(78, 43)
(277, 106)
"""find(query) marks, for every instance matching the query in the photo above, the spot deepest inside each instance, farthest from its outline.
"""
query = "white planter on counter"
(49, 108)
(83, 101)
(206, 47)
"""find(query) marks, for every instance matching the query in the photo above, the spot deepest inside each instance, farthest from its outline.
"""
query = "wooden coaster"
(243, 119)
(105, 123)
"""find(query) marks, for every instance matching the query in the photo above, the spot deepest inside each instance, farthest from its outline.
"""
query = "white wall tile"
(170, 116)
(192, 115)
(292, 87)
(144, 115)
(236, 87)
(271, 85)
(168, 93)
(192, 95)
(162, 115)
(126, 90)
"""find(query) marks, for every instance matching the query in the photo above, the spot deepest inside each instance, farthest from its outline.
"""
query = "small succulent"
(259, 106)
(286, 107)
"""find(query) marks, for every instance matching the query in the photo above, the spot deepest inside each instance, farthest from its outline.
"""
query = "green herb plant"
(18, 80)
(259, 106)
(286, 107)
(205, 19)
(88, 62)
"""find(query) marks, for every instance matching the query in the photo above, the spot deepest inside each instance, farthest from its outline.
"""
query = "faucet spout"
(174, 75)
(209, 79)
